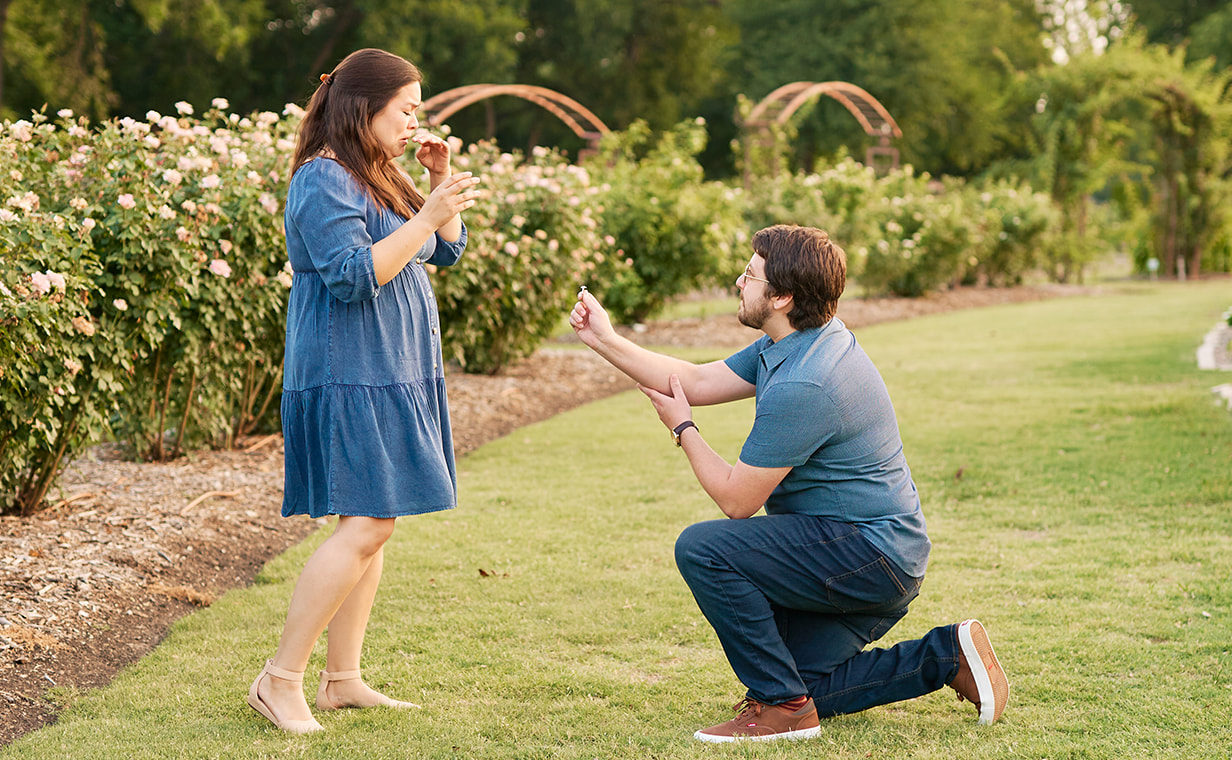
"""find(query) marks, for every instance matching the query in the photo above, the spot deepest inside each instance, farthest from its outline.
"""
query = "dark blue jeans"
(794, 600)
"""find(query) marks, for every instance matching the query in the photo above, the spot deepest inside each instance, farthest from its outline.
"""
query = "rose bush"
(906, 234)
(51, 391)
(533, 241)
(167, 331)
(143, 279)
(675, 230)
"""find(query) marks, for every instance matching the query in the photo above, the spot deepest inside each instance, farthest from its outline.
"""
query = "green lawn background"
(1074, 470)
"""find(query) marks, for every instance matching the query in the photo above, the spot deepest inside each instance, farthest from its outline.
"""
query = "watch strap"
(679, 429)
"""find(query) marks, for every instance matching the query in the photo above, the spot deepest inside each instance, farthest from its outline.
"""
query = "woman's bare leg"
(329, 577)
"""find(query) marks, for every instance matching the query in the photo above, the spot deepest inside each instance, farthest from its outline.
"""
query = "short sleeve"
(448, 253)
(793, 420)
(329, 209)
(744, 362)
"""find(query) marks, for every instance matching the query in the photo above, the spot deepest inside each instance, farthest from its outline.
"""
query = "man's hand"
(590, 321)
(673, 409)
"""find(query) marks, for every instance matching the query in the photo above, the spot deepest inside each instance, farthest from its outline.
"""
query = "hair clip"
(326, 78)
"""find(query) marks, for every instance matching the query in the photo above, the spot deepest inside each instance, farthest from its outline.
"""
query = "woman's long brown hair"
(339, 118)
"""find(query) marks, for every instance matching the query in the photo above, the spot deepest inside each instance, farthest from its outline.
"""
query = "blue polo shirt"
(824, 411)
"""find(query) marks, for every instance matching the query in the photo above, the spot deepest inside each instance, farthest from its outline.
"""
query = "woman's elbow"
(352, 292)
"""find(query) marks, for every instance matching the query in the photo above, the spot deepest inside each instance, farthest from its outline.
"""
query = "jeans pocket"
(866, 588)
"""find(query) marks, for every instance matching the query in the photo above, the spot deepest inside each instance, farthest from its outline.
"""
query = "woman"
(364, 412)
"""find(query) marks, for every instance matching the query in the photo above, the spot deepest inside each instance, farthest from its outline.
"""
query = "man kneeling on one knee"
(796, 594)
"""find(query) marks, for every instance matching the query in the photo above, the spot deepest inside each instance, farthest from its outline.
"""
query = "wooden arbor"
(779, 106)
(436, 109)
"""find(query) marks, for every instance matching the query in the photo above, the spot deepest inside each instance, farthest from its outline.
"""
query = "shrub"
(167, 236)
(1016, 227)
(57, 380)
(163, 246)
(533, 241)
(678, 231)
(923, 240)
(832, 198)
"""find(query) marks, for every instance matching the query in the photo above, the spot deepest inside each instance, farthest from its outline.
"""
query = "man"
(796, 594)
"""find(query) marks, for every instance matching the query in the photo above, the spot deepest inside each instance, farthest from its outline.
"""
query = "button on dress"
(364, 412)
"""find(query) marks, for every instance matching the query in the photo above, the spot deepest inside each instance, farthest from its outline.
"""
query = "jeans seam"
(885, 565)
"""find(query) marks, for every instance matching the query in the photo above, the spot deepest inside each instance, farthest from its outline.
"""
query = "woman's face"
(396, 122)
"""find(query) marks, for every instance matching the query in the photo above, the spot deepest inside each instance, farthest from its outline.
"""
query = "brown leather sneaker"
(759, 722)
(980, 679)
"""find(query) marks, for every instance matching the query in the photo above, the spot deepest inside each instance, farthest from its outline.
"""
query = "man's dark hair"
(805, 263)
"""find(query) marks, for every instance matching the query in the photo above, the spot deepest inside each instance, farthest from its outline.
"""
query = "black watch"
(676, 431)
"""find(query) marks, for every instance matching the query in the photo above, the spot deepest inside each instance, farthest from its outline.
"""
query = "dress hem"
(421, 511)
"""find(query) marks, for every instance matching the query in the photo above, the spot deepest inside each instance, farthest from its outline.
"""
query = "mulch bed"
(93, 583)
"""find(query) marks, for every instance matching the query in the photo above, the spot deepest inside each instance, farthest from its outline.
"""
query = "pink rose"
(41, 283)
(220, 268)
(126, 200)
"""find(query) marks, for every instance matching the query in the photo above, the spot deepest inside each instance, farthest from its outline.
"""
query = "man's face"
(754, 308)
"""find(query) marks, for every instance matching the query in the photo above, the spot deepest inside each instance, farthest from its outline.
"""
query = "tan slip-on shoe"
(255, 702)
(980, 680)
(760, 722)
(324, 702)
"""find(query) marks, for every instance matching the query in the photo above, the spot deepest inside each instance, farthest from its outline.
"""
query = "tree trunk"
(1170, 204)
(347, 18)
(4, 19)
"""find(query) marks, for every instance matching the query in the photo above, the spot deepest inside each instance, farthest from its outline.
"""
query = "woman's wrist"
(435, 178)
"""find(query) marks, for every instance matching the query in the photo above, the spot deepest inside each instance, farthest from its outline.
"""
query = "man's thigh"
(800, 562)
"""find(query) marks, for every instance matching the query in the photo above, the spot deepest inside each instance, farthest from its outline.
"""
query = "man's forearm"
(714, 474)
(645, 366)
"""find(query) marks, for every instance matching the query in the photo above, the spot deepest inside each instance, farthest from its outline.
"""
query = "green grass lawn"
(1090, 530)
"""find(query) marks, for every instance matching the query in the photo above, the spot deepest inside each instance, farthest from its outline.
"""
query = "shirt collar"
(775, 354)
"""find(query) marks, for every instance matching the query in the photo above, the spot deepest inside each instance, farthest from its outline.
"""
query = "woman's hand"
(450, 198)
(589, 320)
(433, 153)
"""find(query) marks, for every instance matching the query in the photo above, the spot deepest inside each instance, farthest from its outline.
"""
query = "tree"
(1188, 123)
(938, 67)
(1078, 136)
(50, 52)
(625, 59)
(1204, 26)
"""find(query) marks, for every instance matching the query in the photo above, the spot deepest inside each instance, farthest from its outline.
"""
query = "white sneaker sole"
(804, 733)
(975, 650)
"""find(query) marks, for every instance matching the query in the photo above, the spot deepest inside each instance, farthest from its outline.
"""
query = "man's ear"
(782, 303)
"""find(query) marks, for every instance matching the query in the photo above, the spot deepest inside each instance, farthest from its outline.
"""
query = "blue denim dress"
(364, 413)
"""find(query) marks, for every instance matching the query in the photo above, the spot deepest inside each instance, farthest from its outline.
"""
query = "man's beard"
(753, 315)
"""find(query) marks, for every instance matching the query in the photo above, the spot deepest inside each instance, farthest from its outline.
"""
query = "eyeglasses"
(747, 274)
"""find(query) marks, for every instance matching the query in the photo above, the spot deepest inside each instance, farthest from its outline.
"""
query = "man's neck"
(777, 329)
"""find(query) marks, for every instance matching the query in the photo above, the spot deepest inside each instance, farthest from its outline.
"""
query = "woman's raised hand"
(450, 198)
(433, 153)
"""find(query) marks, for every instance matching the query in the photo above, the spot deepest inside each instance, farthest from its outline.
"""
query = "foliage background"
(944, 69)
(141, 255)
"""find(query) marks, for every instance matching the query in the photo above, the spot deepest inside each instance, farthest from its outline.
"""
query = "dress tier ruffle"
(350, 449)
